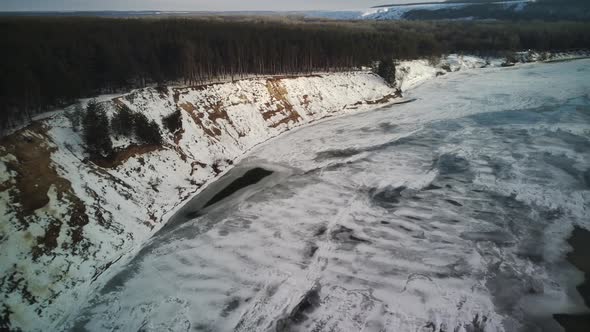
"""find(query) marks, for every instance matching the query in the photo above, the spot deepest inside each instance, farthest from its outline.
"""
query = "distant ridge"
(458, 2)
(133, 13)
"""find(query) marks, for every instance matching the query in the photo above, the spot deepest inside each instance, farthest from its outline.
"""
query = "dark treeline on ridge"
(50, 62)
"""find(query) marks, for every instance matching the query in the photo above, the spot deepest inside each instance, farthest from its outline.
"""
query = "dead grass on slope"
(35, 175)
(278, 94)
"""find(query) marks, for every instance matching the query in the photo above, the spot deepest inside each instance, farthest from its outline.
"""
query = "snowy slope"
(398, 12)
(87, 216)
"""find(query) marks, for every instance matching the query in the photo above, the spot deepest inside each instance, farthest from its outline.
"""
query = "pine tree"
(75, 116)
(122, 122)
(173, 122)
(96, 131)
(386, 70)
(146, 131)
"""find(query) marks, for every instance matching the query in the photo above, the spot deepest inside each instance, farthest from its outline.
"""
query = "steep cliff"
(66, 219)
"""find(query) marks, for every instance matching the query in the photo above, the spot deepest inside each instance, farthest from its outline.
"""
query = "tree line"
(50, 62)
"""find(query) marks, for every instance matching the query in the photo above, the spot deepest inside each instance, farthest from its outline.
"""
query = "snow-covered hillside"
(398, 12)
(65, 220)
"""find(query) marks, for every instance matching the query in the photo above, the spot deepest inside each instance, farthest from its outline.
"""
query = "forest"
(51, 62)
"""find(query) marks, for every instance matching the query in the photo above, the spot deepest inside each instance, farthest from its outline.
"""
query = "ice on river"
(449, 213)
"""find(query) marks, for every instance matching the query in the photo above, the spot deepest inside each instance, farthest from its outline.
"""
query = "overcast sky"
(193, 5)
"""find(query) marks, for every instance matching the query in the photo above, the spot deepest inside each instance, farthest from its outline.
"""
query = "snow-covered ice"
(449, 213)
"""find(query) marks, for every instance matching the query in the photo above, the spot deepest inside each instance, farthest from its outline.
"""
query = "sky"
(190, 5)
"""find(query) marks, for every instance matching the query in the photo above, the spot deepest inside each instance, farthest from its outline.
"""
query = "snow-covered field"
(87, 221)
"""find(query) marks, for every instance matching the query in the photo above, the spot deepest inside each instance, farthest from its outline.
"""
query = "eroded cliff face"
(66, 219)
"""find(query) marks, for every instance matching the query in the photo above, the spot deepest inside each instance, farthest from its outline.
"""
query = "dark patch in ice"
(478, 324)
(310, 250)
(414, 218)
(193, 214)
(404, 228)
(499, 237)
(580, 242)
(320, 231)
(333, 166)
(566, 164)
(358, 239)
(386, 197)
(349, 152)
(500, 168)
(420, 235)
(336, 154)
(577, 142)
(432, 187)
(573, 322)
(455, 203)
(345, 234)
(387, 126)
(586, 177)
(249, 178)
(310, 301)
(232, 305)
(448, 164)
(496, 119)
(385, 222)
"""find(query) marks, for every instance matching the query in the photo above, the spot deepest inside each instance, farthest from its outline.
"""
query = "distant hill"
(513, 10)
(463, 2)
(549, 10)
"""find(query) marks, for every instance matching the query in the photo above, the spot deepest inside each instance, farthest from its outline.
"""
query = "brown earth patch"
(218, 112)
(180, 152)
(178, 136)
(197, 118)
(305, 102)
(119, 102)
(278, 94)
(35, 175)
(121, 155)
(267, 115)
(195, 165)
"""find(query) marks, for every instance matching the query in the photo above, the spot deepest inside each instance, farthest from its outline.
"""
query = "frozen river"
(449, 213)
